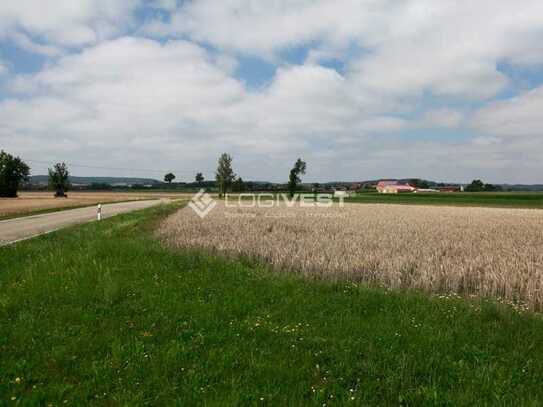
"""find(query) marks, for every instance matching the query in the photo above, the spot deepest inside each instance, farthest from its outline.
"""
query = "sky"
(448, 90)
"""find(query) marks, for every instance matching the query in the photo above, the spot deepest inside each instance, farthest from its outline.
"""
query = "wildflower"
(18, 380)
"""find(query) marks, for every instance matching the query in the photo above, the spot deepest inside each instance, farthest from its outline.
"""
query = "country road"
(13, 230)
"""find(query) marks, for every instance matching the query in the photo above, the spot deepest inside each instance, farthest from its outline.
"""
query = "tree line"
(14, 172)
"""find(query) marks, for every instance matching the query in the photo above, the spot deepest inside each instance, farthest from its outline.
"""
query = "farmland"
(30, 203)
(485, 252)
(484, 199)
(103, 313)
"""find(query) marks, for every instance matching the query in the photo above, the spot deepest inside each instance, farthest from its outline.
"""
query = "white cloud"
(23, 42)
(450, 48)
(67, 22)
(520, 116)
(173, 102)
(441, 118)
(128, 94)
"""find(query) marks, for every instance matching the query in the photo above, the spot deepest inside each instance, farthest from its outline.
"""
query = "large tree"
(225, 174)
(294, 176)
(476, 186)
(169, 177)
(59, 179)
(13, 171)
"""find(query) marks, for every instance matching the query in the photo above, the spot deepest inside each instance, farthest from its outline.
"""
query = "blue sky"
(439, 90)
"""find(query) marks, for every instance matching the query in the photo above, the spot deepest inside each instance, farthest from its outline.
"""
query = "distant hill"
(521, 187)
(43, 179)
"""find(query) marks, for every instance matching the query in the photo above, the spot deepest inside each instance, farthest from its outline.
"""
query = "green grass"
(491, 199)
(103, 313)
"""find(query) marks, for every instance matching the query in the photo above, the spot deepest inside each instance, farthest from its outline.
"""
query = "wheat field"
(469, 251)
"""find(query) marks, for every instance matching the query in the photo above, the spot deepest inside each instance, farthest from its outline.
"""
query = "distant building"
(453, 188)
(426, 190)
(394, 187)
(355, 186)
(341, 192)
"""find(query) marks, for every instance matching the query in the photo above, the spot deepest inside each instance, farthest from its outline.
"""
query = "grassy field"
(34, 203)
(488, 199)
(104, 313)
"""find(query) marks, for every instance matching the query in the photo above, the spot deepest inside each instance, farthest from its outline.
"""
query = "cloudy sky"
(361, 89)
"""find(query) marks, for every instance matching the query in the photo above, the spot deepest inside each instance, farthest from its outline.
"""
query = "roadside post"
(99, 212)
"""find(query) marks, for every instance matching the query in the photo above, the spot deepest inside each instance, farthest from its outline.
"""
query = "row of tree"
(14, 171)
(227, 180)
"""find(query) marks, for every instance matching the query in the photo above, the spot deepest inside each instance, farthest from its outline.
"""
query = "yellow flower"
(18, 380)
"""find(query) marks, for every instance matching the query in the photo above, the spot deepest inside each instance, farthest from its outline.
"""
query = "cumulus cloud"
(127, 94)
(66, 22)
(450, 48)
(519, 116)
(406, 75)
(441, 118)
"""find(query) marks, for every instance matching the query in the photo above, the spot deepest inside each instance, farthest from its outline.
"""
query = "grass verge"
(103, 313)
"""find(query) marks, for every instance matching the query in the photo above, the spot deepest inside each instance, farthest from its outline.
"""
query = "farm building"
(451, 189)
(393, 187)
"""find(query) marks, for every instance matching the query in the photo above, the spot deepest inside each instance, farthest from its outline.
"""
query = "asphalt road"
(13, 230)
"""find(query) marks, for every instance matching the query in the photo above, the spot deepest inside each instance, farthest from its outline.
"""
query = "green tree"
(169, 177)
(294, 176)
(239, 185)
(476, 186)
(13, 171)
(199, 178)
(59, 179)
(492, 188)
(419, 183)
(225, 174)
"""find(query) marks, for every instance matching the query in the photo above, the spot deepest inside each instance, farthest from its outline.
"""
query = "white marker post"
(99, 213)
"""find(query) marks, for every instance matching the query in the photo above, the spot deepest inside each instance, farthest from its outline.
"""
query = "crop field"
(469, 251)
(483, 199)
(39, 202)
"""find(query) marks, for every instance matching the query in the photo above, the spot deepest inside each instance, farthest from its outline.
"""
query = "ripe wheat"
(480, 251)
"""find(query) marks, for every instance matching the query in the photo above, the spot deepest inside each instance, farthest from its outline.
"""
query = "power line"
(71, 164)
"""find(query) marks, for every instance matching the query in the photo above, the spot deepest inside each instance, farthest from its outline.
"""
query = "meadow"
(32, 203)
(487, 252)
(105, 314)
(483, 199)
